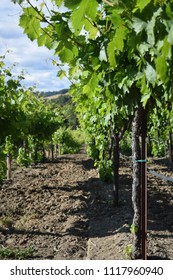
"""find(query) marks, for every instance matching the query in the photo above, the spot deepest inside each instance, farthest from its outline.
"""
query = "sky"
(34, 60)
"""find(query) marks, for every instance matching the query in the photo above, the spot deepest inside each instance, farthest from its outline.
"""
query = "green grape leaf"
(59, 2)
(91, 29)
(71, 4)
(111, 54)
(170, 35)
(150, 73)
(169, 11)
(66, 55)
(119, 38)
(93, 81)
(86, 89)
(86, 8)
(138, 24)
(166, 49)
(150, 28)
(30, 22)
(161, 67)
(116, 18)
(42, 40)
(61, 74)
(141, 4)
(145, 98)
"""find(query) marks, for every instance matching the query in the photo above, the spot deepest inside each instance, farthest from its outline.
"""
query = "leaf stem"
(109, 3)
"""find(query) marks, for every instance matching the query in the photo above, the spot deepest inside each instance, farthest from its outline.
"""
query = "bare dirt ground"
(63, 211)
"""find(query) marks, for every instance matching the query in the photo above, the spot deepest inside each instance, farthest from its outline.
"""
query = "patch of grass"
(16, 253)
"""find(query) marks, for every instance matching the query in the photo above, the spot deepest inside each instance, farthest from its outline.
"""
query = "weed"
(16, 253)
(133, 229)
(128, 251)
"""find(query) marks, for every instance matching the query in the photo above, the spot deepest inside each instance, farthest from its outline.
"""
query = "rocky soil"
(62, 211)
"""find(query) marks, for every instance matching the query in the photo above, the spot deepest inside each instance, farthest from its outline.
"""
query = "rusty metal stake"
(144, 188)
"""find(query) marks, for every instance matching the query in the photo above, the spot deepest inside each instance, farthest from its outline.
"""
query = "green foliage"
(66, 109)
(134, 229)
(136, 38)
(70, 116)
(61, 100)
(23, 159)
(79, 136)
(23, 116)
(105, 170)
(86, 10)
(16, 253)
(141, 4)
(92, 150)
(125, 144)
(159, 129)
(66, 141)
(9, 148)
(35, 151)
(158, 149)
(3, 168)
(17, 1)
(119, 55)
(128, 251)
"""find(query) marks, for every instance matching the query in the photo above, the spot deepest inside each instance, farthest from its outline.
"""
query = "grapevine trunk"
(136, 185)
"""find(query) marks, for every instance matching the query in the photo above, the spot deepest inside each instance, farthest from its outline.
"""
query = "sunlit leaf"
(138, 24)
(161, 67)
(58, 2)
(170, 35)
(86, 8)
(66, 55)
(119, 38)
(111, 53)
(150, 73)
(141, 4)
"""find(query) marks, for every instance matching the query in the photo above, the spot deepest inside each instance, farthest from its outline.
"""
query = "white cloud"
(36, 61)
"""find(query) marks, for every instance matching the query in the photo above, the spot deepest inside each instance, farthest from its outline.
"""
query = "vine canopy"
(127, 44)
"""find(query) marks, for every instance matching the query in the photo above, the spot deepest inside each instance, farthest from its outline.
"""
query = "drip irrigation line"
(152, 172)
(165, 178)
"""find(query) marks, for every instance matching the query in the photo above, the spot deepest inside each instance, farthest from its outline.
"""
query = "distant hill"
(49, 94)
